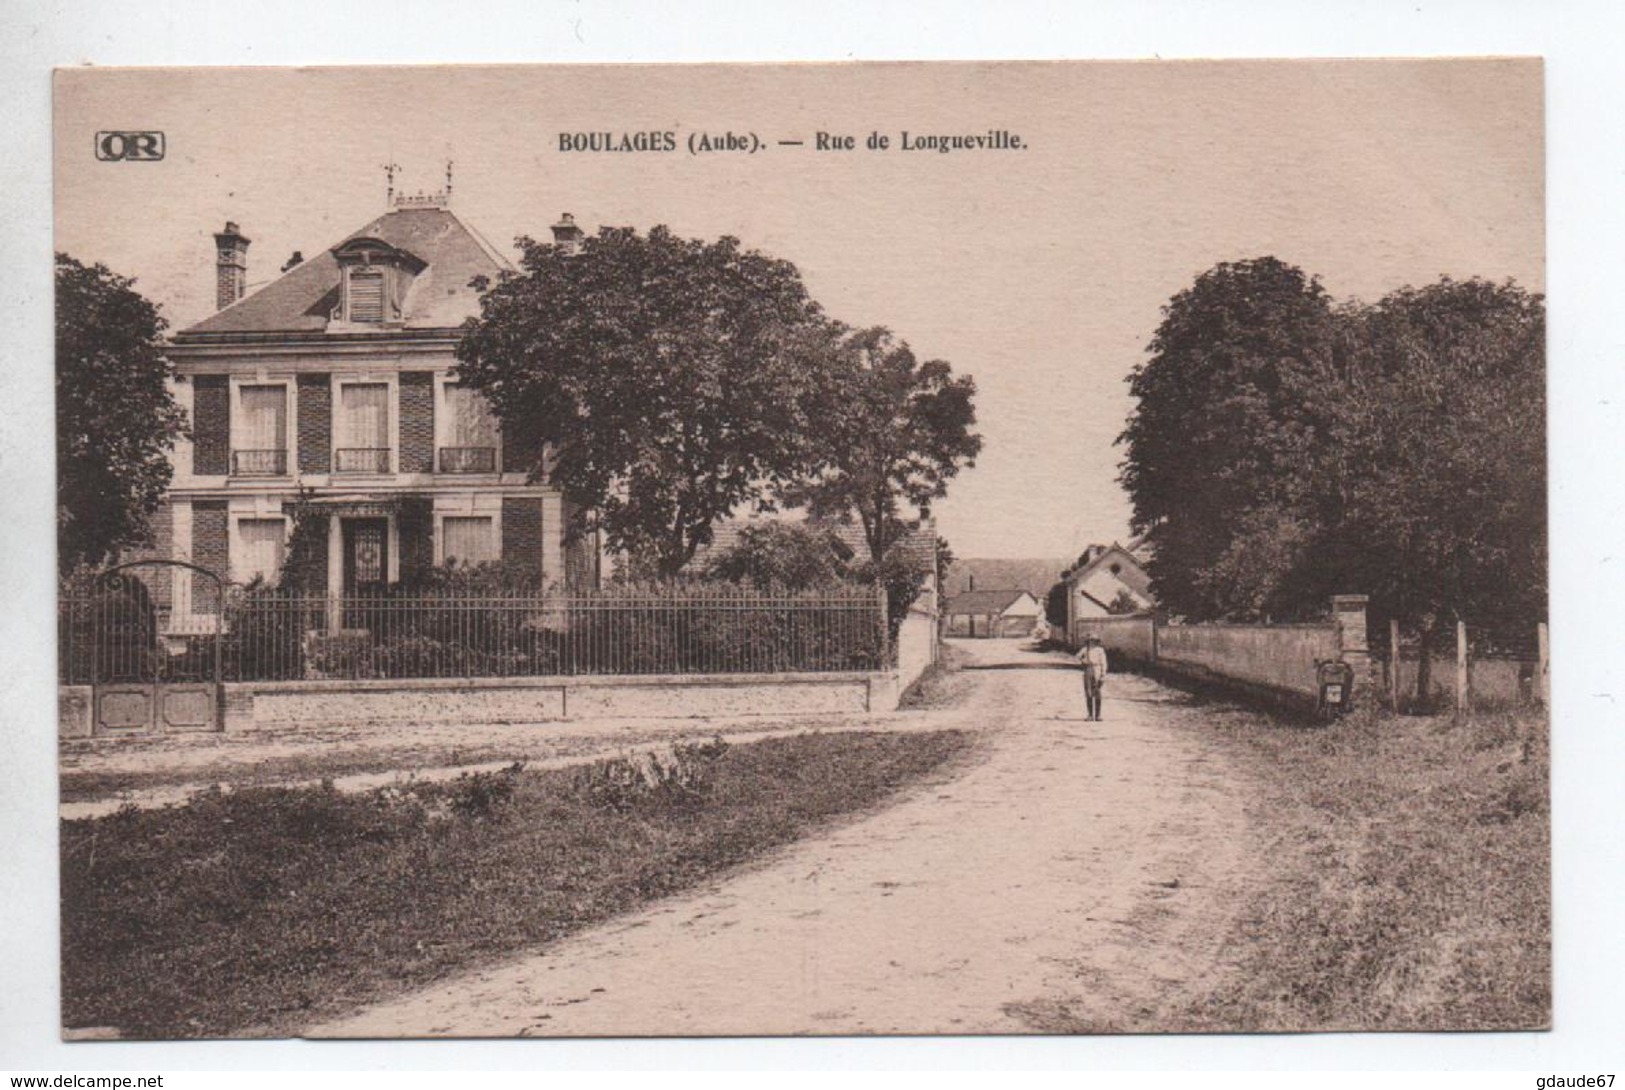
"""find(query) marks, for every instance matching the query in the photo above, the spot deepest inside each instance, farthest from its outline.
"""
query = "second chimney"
(566, 235)
(230, 266)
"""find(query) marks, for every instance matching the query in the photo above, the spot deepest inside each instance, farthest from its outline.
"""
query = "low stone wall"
(1278, 657)
(1131, 638)
(274, 705)
(523, 700)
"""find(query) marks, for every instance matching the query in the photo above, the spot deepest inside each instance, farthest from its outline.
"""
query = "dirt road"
(1074, 876)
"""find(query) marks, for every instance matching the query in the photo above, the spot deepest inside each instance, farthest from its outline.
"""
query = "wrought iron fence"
(271, 635)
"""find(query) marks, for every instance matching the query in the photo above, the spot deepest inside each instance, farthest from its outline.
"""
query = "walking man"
(1093, 659)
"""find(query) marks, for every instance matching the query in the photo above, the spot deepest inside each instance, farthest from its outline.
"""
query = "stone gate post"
(1348, 612)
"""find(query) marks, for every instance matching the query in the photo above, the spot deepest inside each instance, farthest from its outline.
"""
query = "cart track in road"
(1076, 876)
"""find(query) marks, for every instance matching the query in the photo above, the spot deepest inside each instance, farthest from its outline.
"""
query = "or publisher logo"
(129, 147)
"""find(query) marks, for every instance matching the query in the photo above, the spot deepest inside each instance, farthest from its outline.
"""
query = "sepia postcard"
(708, 550)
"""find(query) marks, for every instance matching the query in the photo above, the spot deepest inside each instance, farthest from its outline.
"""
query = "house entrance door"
(366, 566)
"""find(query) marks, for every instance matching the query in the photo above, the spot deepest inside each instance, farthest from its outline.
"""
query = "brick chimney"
(231, 266)
(566, 235)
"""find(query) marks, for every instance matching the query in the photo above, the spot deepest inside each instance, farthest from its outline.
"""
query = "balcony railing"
(259, 463)
(468, 459)
(361, 460)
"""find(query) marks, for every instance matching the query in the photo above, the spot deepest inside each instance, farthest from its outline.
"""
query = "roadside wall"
(1279, 657)
(1130, 638)
(281, 705)
(1269, 660)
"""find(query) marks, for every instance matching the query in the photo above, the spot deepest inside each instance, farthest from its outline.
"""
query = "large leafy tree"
(1231, 402)
(672, 378)
(892, 432)
(116, 417)
(1438, 458)
(1285, 449)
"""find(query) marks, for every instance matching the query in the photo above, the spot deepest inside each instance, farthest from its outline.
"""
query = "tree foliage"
(783, 555)
(1285, 449)
(1055, 604)
(1438, 461)
(116, 417)
(892, 431)
(1216, 448)
(672, 378)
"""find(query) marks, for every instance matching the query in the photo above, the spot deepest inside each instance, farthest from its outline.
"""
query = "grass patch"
(1412, 877)
(254, 912)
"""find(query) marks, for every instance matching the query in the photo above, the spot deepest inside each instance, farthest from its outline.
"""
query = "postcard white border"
(1586, 208)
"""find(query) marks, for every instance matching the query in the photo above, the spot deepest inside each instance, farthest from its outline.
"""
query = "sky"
(1040, 271)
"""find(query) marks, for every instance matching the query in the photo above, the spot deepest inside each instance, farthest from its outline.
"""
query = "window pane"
(364, 415)
(468, 540)
(261, 548)
(265, 417)
(472, 424)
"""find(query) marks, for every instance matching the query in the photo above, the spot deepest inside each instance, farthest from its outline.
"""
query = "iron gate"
(146, 675)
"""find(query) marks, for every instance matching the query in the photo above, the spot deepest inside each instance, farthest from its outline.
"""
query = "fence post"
(1543, 668)
(885, 627)
(1394, 662)
(1461, 669)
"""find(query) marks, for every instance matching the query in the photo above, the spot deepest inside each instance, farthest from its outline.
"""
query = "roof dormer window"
(377, 277)
(366, 295)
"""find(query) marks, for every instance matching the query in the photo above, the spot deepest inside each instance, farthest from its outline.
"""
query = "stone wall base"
(279, 705)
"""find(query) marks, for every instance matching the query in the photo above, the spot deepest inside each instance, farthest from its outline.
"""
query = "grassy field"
(253, 912)
(1412, 883)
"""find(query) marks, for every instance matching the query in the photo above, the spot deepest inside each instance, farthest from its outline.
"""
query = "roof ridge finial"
(390, 169)
(448, 181)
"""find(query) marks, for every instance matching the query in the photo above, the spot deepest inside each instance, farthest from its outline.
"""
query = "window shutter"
(366, 297)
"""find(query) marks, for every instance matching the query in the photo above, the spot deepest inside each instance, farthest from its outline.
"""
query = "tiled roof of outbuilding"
(983, 602)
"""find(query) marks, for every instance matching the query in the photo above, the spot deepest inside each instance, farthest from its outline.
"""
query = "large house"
(329, 393)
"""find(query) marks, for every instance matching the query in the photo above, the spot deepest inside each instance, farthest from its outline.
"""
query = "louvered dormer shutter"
(366, 296)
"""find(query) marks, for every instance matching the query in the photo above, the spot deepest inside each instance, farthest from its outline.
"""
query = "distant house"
(992, 613)
(1106, 580)
(1035, 575)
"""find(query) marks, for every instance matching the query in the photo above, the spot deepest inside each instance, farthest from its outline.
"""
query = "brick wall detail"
(522, 531)
(211, 425)
(209, 550)
(416, 527)
(417, 421)
(315, 424)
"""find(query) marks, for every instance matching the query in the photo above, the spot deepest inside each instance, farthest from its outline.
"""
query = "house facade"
(328, 396)
(1105, 580)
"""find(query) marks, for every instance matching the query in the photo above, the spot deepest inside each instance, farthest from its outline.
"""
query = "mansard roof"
(448, 252)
